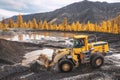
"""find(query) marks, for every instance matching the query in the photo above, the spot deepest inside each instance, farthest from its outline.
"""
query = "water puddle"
(36, 37)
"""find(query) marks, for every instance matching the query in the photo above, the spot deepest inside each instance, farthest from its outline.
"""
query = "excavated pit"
(109, 71)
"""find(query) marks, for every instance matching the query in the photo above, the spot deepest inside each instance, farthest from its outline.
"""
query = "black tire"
(96, 60)
(63, 63)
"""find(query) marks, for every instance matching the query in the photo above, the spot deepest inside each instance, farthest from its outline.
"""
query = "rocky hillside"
(82, 11)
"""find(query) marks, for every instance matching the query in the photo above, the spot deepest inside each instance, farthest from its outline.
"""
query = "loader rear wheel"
(97, 60)
(65, 66)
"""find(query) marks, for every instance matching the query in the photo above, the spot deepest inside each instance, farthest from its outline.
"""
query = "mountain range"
(83, 12)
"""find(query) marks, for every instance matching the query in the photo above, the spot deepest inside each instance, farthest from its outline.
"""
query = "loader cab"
(80, 43)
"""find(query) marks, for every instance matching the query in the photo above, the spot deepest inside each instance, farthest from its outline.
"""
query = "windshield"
(78, 43)
(74, 43)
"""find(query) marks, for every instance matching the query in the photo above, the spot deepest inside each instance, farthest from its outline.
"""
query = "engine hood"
(99, 43)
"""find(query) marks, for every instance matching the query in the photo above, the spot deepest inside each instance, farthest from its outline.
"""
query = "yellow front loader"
(81, 52)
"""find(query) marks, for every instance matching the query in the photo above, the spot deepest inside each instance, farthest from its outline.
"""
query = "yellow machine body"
(98, 47)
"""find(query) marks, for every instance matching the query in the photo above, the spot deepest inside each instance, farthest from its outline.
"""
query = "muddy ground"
(109, 71)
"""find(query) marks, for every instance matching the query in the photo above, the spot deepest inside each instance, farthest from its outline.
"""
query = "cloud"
(6, 13)
(13, 5)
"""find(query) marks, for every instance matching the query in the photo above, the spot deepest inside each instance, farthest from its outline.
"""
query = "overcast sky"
(10, 8)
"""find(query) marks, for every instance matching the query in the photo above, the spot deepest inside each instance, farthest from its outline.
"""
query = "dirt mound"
(13, 52)
(10, 51)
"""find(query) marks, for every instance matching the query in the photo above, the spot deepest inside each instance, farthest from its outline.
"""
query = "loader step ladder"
(86, 57)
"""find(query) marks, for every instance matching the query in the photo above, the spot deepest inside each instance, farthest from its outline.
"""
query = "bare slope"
(12, 52)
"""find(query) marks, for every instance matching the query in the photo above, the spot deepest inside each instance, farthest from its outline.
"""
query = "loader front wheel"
(97, 61)
(65, 66)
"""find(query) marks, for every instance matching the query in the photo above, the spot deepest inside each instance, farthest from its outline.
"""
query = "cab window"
(79, 43)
